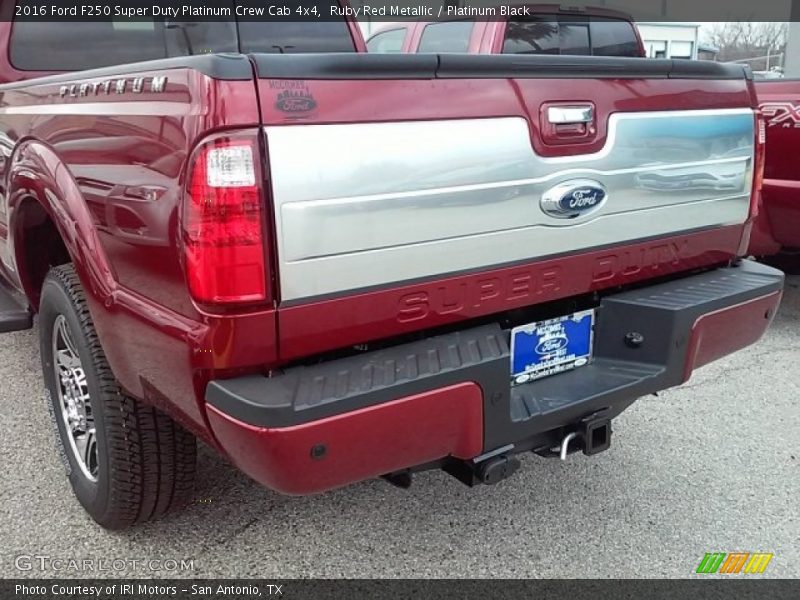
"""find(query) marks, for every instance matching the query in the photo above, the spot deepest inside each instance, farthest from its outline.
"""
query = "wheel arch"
(50, 224)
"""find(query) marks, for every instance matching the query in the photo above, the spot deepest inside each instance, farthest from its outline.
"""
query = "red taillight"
(223, 224)
(761, 153)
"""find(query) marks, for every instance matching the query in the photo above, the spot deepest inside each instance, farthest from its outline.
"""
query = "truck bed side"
(106, 168)
(779, 101)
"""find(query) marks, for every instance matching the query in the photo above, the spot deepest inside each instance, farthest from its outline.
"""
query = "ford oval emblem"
(295, 105)
(573, 199)
(551, 345)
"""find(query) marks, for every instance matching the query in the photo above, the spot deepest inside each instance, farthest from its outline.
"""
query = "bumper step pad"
(646, 340)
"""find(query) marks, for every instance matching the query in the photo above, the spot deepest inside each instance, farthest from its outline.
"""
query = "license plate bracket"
(553, 346)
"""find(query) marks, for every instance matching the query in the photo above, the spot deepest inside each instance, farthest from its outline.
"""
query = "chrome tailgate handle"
(570, 114)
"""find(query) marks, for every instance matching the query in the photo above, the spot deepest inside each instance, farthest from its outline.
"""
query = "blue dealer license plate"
(550, 347)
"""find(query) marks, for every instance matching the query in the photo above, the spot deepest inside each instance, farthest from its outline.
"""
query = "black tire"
(144, 465)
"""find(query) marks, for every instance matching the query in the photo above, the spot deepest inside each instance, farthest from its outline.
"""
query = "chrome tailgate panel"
(365, 205)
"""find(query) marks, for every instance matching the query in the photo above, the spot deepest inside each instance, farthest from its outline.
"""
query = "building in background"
(707, 51)
(670, 40)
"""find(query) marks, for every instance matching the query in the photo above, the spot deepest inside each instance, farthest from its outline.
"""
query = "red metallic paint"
(717, 334)
(110, 176)
(782, 209)
(327, 324)
(779, 222)
(761, 240)
(358, 445)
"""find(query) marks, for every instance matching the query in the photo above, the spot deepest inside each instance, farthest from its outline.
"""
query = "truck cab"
(546, 29)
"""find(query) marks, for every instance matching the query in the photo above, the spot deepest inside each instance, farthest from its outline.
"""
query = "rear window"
(449, 36)
(295, 37)
(611, 37)
(387, 42)
(44, 46)
(552, 34)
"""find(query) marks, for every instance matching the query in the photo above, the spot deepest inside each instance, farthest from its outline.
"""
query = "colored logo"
(582, 199)
(573, 199)
(551, 345)
(734, 562)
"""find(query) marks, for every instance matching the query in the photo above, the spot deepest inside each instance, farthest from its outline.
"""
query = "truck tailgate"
(400, 178)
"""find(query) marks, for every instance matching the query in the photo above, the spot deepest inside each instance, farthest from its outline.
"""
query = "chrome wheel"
(74, 400)
(127, 461)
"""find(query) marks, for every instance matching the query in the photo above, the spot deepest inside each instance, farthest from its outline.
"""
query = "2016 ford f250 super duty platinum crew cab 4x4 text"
(334, 267)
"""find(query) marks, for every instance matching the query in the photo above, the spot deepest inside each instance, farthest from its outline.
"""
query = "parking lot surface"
(712, 466)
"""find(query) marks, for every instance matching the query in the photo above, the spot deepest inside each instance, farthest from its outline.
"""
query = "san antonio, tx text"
(128, 589)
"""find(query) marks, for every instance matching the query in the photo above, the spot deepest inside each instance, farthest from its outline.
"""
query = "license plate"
(549, 347)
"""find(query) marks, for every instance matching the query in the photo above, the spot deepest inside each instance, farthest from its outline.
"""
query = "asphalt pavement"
(713, 466)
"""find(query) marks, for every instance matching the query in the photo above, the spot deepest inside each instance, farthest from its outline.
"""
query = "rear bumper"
(310, 429)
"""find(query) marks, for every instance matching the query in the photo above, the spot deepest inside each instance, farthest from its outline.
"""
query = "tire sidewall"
(55, 301)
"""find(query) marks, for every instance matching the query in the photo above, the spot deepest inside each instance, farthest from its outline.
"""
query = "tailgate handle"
(558, 115)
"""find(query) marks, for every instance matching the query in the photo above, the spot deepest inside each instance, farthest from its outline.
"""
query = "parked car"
(328, 270)
(550, 29)
(778, 226)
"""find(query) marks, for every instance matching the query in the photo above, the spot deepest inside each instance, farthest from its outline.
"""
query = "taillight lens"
(223, 224)
(761, 152)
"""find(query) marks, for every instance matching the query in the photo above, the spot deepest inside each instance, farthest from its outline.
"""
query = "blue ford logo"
(573, 199)
(551, 345)
(582, 199)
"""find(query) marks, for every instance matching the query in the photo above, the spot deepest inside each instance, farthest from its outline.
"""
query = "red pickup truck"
(328, 270)
(778, 226)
